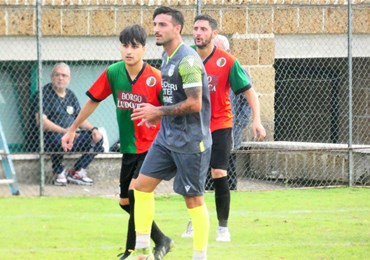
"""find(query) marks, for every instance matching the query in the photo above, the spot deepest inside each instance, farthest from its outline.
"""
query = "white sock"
(142, 241)
(222, 228)
(200, 255)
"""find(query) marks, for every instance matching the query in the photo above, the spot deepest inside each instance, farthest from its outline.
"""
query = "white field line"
(65, 215)
(53, 249)
(309, 244)
(233, 212)
(255, 245)
(299, 212)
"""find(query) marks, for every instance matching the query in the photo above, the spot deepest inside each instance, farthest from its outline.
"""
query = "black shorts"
(130, 168)
(221, 148)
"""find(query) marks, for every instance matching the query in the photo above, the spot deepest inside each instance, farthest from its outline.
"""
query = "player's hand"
(67, 140)
(146, 114)
(147, 124)
(259, 132)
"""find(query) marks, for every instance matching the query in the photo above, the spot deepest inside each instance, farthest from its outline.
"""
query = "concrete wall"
(307, 164)
(104, 169)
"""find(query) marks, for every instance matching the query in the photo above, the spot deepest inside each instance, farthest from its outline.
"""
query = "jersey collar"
(210, 55)
(178, 47)
(138, 75)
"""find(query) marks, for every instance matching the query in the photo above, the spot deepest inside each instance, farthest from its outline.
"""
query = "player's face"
(61, 77)
(202, 34)
(164, 30)
(132, 54)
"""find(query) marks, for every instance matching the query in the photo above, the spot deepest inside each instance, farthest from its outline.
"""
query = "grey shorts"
(189, 169)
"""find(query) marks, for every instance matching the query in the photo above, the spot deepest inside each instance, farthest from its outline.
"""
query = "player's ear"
(178, 28)
(214, 33)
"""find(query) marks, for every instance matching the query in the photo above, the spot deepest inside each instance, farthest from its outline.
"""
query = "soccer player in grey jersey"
(182, 146)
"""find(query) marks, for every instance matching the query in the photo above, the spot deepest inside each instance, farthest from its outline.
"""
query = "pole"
(39, 79)
(350, 149)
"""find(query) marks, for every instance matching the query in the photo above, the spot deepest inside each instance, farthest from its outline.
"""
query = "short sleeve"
(190, 70)
(239, 80)
(101, 88)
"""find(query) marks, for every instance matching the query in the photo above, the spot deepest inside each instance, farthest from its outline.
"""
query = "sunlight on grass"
(285, 224)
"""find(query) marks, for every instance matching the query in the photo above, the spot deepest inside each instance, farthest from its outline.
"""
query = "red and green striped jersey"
(128, 95)
(224, 71)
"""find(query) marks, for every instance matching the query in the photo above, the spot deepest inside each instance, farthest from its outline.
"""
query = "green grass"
(285, 224)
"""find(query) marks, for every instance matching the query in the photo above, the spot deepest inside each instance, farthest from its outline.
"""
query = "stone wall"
(252, 24)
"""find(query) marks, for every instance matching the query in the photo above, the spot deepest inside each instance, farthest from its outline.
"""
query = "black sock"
(131, 235)
(125, 208)
(156, 234)
(222, 197)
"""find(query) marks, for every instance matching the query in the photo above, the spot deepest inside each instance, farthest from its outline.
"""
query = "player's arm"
(259, 131)
(190, 70)
(150, 114)
(86, 111)
(81, 119)
(85, 125)
(192, 103)
(240, 82)
(97, 92)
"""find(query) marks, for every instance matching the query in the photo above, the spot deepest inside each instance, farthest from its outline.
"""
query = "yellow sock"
(200, 220)
(144, 211)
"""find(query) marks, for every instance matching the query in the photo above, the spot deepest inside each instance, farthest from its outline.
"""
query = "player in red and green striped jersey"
(131, 82)
(224, 73)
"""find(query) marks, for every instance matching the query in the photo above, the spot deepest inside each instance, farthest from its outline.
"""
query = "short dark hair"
(212, 21)
(133, 35)
(177, 16)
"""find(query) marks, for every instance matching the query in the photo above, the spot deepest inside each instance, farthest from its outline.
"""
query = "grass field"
(285, 224)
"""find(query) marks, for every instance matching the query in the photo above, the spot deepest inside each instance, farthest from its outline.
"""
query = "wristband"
(92, 129)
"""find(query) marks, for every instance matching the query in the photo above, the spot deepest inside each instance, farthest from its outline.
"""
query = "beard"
(163, 43)
(204, 44)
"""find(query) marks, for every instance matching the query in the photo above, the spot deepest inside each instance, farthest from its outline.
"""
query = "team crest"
(70, 110)
(151, 81)
(171, 70)
(221, 62)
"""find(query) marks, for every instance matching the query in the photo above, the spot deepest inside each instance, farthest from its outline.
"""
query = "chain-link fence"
(314, 90)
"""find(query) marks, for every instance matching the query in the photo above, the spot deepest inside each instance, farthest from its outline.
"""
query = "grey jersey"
(188, 133)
